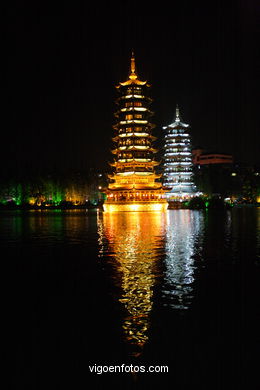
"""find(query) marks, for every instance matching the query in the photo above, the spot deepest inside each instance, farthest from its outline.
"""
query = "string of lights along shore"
(134, 184)
(178, 166)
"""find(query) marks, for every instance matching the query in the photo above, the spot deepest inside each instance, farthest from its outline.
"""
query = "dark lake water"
(178, 289)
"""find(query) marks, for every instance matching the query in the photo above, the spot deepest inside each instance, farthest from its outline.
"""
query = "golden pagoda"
(133, 185)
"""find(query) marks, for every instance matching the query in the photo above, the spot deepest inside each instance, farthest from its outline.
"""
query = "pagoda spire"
(132, 78)
(133, 75)
(177, 114)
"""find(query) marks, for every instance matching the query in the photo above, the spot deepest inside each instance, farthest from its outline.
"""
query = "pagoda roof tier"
(133, 123)
(136, 187)
(132, 80)
(133, 148)
(136, 162)
(134, 136)
(122, 112)
(130, 97)
(159, 188)
(176, 124)
(133, 164)
(144, 160)
(135, 173)
(135, 109)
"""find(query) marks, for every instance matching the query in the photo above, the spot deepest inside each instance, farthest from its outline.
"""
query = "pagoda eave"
(134, 188)
(144, 98)
(137, 173)
(131, 81)
(132, 123)
(133, 148)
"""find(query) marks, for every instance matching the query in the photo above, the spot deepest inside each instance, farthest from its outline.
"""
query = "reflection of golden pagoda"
(134, 239)
(133, 184)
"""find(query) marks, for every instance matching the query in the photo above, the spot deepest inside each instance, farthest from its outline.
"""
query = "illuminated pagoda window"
(134, 184)
(178, 166)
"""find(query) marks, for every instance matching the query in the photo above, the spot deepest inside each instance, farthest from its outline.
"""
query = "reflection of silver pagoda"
(177, 166)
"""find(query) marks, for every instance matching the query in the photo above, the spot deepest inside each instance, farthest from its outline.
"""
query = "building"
(199, 157)
(134, 185)
(178, 166)
(214, 173)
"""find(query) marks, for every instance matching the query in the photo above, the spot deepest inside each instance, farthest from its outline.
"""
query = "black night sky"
(63, 60)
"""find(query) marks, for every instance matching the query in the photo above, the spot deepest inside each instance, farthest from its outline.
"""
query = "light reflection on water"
(48, 227)
(258, 236)
(134, 242)
(184, 284)
(141, 246)
(184, 229)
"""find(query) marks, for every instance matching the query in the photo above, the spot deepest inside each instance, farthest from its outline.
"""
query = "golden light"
(133, 239)
(134, 162)
(145, 206)
(32, 201)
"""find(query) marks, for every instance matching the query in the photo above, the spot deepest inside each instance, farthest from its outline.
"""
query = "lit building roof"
(177, 122)
(133, 78)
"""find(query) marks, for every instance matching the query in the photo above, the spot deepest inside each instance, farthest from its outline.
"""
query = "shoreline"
(100, 207)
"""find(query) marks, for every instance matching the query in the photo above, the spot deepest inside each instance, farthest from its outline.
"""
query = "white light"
(125, 173)
(180, 173)
(142, 147)
(175, 144)
(140, 109)
(133, 109)
(133, 121)
(141, 134)
(131, 96)
(177, 153)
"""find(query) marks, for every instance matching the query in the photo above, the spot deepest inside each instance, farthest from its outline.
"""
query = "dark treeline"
(34, 188)
(235, 181)
(52, 189)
